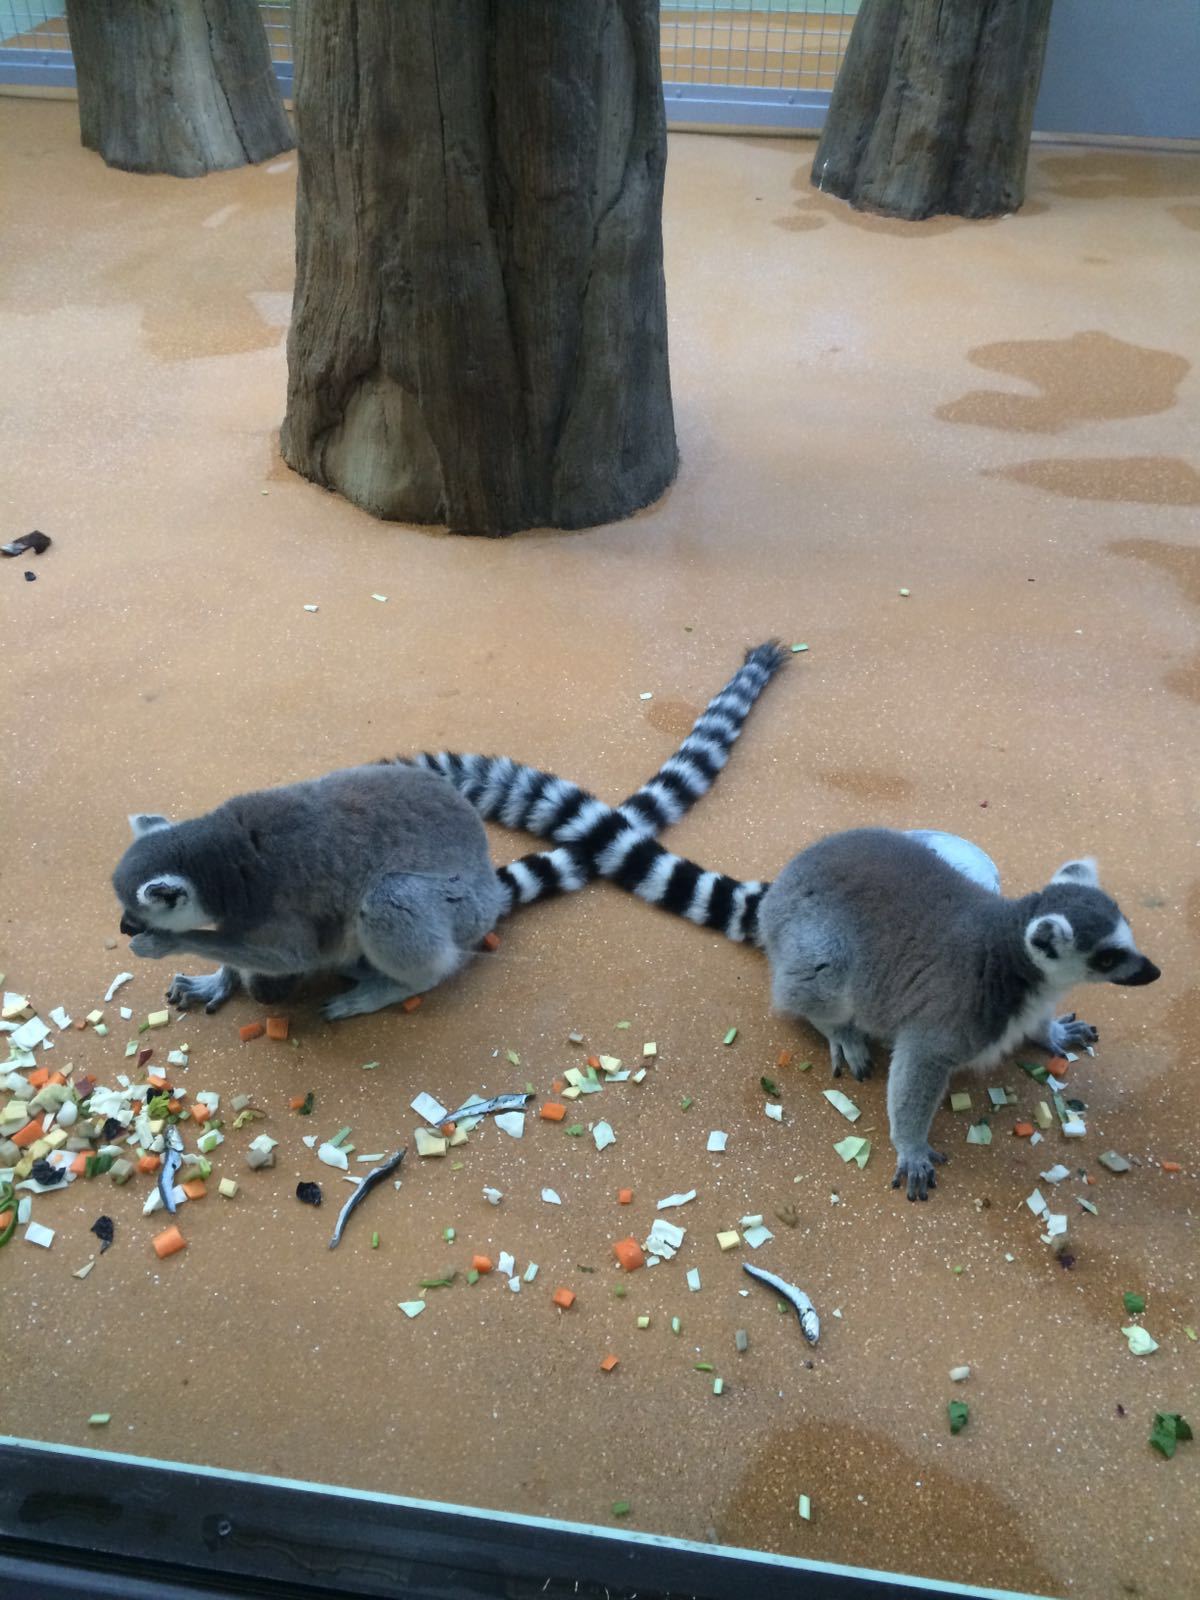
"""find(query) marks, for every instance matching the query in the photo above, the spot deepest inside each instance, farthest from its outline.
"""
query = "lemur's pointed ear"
(1082, 871)
(146, 822)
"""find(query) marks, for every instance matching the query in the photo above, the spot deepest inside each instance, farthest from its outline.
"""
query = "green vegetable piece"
(513, 1057)
(1037, 1070)
(1135, 1304)
(143, 1026)
(99, 1419)
(158, 1107)
(248, 1115)
(8, 1203)
(472, 1276)
(367, 1066)
(979, 1132)
(718, 1385)
(686, 1103)
(374, 1241)
(1169, 1427)
(703, 1366)
(529, 1089)
(437, 1283)
(623, 1025)
(309, 1101)
(621, 1508)
(1088, 1206)
(619, 1290)
(676, 1325)
(339, 1138)
(1191, 1332)
(805, 1066)
(768, 1086)
(730, 1036)
(449, 1235)
(799, 649)
(959, 1412)
(576, 1130)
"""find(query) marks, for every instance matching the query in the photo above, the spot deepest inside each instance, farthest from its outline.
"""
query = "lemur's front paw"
(917, 1167)
(210, 991)
(153, 944)
(1068, 1033)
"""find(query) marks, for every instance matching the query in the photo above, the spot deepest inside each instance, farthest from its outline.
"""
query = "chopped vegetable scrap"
(854, 1148)
(309, 1194)
(1135, 1304)
(1169, 1428)
(1140, 1342)
(564, 1298)
(629, 1253)
(959, 1413)
(609, 1363)
(843, 1103)
(371, 1181)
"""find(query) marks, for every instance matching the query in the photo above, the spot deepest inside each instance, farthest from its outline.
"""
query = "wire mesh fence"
(752, 44)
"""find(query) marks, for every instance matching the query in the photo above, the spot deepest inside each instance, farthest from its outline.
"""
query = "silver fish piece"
(485, 1108)
(375, 1176)
(172, 1157)
(810, 1323)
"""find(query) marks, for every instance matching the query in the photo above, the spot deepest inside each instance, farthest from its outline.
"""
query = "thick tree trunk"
(177, 86)
(479, 334)
(933, 106)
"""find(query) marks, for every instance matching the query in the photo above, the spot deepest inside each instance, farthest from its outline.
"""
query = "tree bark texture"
(176, 86)
(479, 334)
(933, 107)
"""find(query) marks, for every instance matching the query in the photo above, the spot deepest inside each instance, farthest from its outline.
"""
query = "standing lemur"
(381, 873)
(876, 935)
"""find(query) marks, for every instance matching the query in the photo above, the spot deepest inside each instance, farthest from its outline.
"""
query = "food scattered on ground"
(810, 1324)
(1168, 1429)
(308, 1194)
(371, 1181)
(959, 1413)
(843, 1103)
(1140, 1342)
(29, 544)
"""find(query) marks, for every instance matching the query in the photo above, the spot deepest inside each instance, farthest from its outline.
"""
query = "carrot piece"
(1023, 1130)
(564, 1298)
(447, 1129)
(175, 1106)
(149, 1163)
(609, 1363)
(5, 1218)
(624, 1197)
(552, 1112)
(79, 1164)
(629, 1253)
(481, 1264)
(80, 1025)
(277, 1027)
(297, 1102)
(594, 1063)
(1059, 1067)
(56, 1077)
(784, 1058)
(252, 1030)
(1172, 1166)
(39, 1077)
(168, 1242)
(29, 1134)
(491, 941)
(201, 1112)
(413, 1003)
(558, 1085)
(194, 1188)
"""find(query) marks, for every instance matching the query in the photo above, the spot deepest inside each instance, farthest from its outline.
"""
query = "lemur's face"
(152, 896)
(1080, 936)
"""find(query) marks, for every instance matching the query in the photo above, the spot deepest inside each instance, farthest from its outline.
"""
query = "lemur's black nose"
(128, 925)
(1146, 973)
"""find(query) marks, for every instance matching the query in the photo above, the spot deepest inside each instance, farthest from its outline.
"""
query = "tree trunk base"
(182, 87)
(479, 333)
(932, 109)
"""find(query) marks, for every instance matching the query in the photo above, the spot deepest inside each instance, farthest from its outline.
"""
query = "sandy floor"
(1001, 419)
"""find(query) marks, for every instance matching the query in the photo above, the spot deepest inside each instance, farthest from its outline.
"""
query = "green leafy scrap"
(1135, 1304)
(1169, 1428)
(306, 1109)
(959, 1413)
(769, 1086)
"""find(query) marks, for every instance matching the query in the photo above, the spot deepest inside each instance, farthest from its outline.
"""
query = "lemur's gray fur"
(871, 936)
(381, 873)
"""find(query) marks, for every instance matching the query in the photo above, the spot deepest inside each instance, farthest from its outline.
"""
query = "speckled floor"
(1001, 419)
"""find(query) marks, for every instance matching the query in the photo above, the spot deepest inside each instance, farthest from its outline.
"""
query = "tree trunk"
(177, 86)
(479, 334)
(933, 106)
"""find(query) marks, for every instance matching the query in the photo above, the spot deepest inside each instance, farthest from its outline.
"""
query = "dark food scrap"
(309, 1193)
(34, 543)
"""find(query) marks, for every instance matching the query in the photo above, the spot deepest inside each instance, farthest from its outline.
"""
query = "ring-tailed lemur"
(901, 938)
(382, 872)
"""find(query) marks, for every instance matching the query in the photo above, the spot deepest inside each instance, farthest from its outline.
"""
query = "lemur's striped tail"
(599, 840)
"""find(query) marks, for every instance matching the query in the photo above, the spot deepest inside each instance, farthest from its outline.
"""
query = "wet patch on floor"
(1181, 562)
(1090, 377)
(814, 209)
(1116, 175)
(868, 783)
(1134, 480)
(672, 717)
(909, 1513)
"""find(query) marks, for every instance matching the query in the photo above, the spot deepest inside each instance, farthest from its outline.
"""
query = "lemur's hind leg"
(269, 990)
(406, 927)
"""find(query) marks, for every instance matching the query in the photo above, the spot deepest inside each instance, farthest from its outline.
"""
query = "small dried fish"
(810, 1324)
(375, 1176)
(485, 1108)
(172, 1157)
